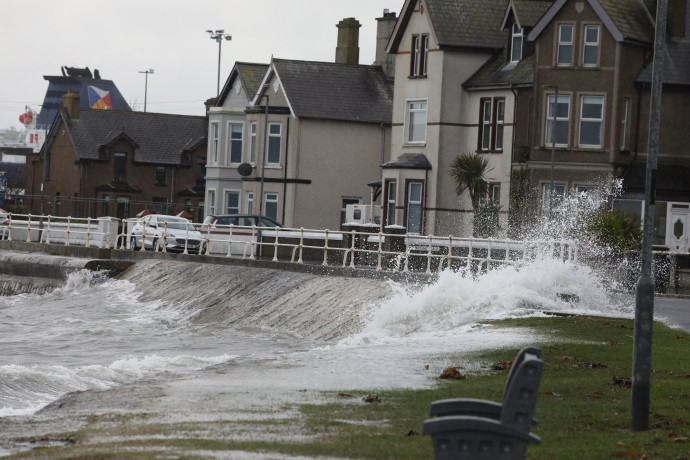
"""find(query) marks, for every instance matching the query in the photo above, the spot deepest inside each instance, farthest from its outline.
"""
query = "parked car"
(4, 224)
(176, 233)
(243, 220)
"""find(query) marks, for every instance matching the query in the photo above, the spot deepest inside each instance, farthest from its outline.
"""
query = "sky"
(122, 38)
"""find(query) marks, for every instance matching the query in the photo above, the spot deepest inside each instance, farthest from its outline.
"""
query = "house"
(232, 141)
(590, 107)
(118, 163)
(313, 137)
(459, 65)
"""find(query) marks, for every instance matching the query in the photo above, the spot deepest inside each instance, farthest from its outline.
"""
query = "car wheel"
(154, 245)
(133, 243)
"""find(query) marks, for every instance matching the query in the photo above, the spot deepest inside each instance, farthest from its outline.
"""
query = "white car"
(175, 233)
(4, 224)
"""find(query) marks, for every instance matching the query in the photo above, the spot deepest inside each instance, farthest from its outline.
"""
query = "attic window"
(516, 44)
(120, 168)
(419, 54)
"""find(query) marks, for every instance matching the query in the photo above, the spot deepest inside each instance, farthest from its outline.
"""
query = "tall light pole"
(263, 160)
(146, 84)
(219, 36)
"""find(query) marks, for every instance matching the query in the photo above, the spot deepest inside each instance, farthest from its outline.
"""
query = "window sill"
(414, 144)
(416, 77)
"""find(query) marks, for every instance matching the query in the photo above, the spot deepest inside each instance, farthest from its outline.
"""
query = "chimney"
(677, 18)
(384, 30)
(70, 101)
(347, 51)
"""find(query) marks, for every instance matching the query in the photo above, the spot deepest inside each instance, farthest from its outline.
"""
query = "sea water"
(168, 319)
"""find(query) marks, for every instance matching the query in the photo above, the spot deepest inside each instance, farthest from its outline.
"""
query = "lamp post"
(146, 84)
(219, 36)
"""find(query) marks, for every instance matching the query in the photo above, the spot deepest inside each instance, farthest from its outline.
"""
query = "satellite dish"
(245, 169)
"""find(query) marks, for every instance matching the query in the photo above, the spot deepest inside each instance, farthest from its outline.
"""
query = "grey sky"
(122, 37)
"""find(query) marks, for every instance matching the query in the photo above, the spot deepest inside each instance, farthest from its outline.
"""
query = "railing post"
(9, 227)
(253, 244)
(123, 241)
(407, 253)
(47, 232)
(229, 256)
(69, 226)
(428, 257)
(165, 238)
(275, 246)
(88, 232)
(301, 245)
(107, 234)
(28, 230)
(186, 238)
(208, 239)
(352, 250)
(379, 252)
(325, 250)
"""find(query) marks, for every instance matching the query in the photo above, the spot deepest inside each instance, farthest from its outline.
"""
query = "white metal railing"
(354, 249)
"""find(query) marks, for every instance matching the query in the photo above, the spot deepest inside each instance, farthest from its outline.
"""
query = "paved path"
(674, 312)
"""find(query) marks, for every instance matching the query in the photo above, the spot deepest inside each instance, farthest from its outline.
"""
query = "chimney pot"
(71, 102)
(347, 49)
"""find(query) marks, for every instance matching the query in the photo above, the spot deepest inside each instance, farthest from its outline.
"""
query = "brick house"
(118, 163)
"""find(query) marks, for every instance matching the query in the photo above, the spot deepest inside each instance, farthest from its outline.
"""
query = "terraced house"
(590, 108)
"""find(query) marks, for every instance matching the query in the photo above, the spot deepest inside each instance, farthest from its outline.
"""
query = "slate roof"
(530, 11)
(333, 91)
(626, 20)
(676, 62)
(408, 161)
(160, 138)
(250, 74)
(497, 73)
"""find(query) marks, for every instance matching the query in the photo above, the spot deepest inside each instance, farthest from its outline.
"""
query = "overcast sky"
(120, 38)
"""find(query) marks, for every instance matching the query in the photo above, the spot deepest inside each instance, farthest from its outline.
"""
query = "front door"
(677, 230)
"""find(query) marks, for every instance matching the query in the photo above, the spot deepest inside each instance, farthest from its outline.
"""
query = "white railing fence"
(398, 252)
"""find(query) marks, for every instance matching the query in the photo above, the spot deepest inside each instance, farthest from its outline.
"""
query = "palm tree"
(468, 170)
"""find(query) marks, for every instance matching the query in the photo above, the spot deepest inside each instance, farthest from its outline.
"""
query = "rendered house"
(118, 163)
(232, 141)
(459, 65)
(323, 129)
(598, 55)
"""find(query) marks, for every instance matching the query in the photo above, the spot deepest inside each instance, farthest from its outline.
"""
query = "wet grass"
(583, 408)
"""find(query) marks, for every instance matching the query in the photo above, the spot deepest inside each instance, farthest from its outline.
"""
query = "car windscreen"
(179, 225)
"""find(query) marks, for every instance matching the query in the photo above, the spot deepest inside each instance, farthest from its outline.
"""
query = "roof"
(250, 75)
(625, 20)
(526, 12)
(676, 62)
(458, 23)
(332, 91)
(495, 72)
(408, 161)
(157, 138)
(60, 85)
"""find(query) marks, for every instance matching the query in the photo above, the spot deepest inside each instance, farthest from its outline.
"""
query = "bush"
(615, 231)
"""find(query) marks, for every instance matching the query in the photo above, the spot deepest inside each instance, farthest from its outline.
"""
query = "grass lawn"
(583, 407)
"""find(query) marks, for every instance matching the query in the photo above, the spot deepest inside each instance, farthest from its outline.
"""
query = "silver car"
(175, 233)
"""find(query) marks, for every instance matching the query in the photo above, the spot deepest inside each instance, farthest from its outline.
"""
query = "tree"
(468, 170)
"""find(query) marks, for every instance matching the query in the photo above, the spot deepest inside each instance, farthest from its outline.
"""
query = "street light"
(263, 160)
(146, 84)
(218, 36)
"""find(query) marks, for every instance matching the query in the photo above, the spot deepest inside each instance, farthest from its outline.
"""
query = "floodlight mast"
(219, 35)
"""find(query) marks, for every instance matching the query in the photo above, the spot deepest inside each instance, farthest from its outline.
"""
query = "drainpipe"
(383, 160)
(263, 161)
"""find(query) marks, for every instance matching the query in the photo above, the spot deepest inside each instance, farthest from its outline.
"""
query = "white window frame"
(390, 202)
(550, 119)
(234, 209)
(559, 197)
(232, 141)
(271, 197)
(344, 201)
(591, 120)
(486, 125)
(589, 193)
(279, 135)
(625, 116)
(418, 203)
(211, 199)
(499, 123)
(495, 192)
(414, 65)
(586, 44)
(249, 200)
(563, 44)
(409, 111)
(215, 134)
(252, 142)
(517, 34)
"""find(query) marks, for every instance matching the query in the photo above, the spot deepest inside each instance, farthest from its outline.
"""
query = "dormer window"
(120, 168)
(516, 44)
(590, 55)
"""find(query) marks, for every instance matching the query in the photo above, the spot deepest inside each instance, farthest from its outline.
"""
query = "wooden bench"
(471, 428)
